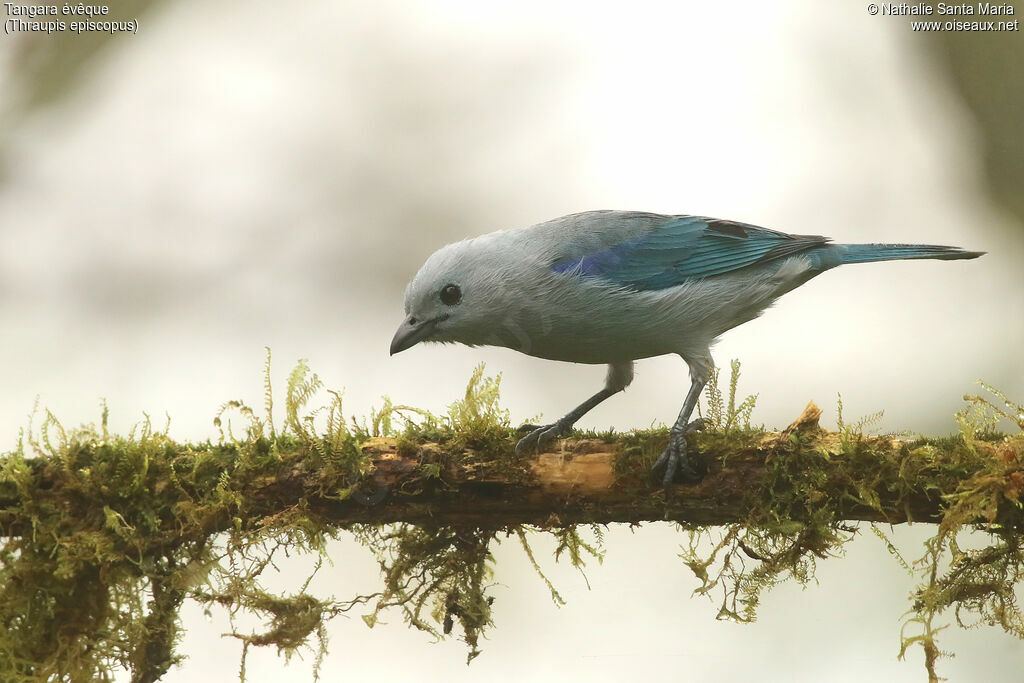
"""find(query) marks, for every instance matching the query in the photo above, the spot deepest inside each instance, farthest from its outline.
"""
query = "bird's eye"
(451, 295)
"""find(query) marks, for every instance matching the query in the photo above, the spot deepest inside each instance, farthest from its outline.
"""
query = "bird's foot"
(541, 436)
(676, 459)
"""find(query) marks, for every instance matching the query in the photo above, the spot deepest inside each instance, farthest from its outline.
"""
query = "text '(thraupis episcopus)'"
(78, 18)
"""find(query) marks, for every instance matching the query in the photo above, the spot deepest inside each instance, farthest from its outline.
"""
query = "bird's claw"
(676, 460)
(540, 436)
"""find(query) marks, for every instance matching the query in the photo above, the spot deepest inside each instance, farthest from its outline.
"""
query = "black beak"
(411, 332)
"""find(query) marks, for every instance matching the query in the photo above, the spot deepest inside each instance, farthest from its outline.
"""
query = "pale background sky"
(250, 174)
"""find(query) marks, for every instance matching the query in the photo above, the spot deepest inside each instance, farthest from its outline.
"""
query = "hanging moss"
(813, 478)
(106, 537)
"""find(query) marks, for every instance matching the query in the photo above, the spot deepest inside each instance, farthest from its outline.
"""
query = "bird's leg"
(674, 458)
(541, 436)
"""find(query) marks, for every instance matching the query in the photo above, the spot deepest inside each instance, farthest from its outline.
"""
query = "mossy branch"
(599, 479)
(106, 537)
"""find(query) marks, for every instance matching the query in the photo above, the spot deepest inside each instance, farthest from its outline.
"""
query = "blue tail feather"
(866, 253)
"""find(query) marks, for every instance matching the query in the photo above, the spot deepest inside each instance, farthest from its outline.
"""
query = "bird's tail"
(866, 253)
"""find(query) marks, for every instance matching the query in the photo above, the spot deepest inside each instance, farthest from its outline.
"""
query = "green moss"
(106, 537)
(797, 518)
(434, 577)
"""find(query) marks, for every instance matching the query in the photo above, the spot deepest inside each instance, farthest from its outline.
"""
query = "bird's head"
(450, 299)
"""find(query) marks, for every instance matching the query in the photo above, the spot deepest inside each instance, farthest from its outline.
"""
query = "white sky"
(241, 175)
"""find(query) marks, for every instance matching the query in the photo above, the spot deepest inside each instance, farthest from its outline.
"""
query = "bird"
(613, 287)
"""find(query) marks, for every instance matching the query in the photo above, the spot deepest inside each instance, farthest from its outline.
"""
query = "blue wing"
(685, 248)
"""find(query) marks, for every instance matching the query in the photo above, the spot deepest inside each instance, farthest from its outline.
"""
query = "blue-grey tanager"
(616, 286)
